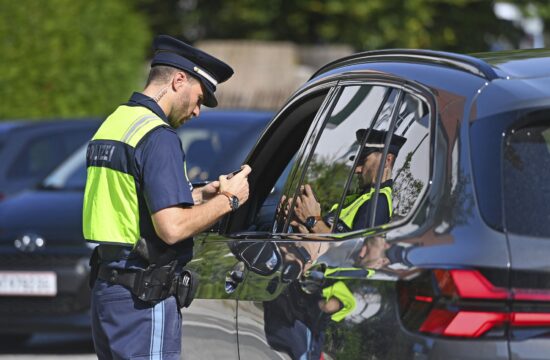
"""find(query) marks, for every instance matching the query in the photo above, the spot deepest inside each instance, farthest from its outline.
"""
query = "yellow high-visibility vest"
(111, 211)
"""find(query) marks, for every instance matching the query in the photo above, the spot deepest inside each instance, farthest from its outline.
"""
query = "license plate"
(28, 283)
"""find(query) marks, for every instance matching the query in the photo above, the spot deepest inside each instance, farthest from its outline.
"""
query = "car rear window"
(526, 180)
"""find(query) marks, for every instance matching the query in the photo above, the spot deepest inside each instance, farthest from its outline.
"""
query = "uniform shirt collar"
(387, 183)
(139, 99)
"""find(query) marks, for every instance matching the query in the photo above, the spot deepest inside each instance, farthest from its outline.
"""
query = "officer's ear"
(364, 250)
(390, 160)
(179, 80)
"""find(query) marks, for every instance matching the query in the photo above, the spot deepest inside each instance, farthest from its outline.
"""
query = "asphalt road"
(42, 347)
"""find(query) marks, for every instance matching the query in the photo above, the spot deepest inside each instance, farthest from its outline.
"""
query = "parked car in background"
(43, 255)
(461, 270)
(31, 150)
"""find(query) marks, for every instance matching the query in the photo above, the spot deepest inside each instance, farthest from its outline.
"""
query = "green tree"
(456, 25)
(69, 57)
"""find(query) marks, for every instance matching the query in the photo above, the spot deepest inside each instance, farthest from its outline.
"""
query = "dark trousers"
(125, 327)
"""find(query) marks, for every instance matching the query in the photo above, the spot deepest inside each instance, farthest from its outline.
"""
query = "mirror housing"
(260, 257)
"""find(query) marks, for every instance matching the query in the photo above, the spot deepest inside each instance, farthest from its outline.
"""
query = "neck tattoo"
(160, 94)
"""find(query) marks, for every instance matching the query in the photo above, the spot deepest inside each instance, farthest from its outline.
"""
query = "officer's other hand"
(330, 306)
(306, 204)
(210, 190)
(299, 227)
(237, 185)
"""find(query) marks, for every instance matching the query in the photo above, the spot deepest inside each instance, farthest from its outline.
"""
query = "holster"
(186, 286)
(155, 284)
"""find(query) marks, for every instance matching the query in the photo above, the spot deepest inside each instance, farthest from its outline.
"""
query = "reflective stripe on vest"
(111, 211)
(340, 291)
(348, 273)
(347, 215)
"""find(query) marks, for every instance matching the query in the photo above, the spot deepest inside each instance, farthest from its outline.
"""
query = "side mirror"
(261, 257)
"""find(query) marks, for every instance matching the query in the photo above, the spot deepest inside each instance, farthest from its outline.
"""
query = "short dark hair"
(163, 74)
(160, 74)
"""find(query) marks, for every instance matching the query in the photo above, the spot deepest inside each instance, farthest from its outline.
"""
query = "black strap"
(94, 267)
(126, 278)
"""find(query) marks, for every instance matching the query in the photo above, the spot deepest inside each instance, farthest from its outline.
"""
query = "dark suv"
(461, 269)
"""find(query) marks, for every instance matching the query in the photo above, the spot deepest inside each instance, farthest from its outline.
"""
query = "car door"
(291, 312)
(209, 324)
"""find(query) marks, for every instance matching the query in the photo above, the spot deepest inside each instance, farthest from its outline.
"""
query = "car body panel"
(447, 230)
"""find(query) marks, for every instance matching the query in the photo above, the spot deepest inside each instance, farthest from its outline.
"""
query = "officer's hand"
(237, 185)
(306, 204)
(210, 190)
(330, 306)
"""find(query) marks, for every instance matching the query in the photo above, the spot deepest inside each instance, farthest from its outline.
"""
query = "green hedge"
(61, 58)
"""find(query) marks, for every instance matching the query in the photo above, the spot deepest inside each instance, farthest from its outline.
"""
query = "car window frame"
(416, 89)
(403, 88)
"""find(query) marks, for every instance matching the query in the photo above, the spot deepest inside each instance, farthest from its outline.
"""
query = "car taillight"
(464, 303)
(468, 284)
(462, 323)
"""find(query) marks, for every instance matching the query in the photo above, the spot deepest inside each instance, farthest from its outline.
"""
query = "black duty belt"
(154, 284)
(118, 276)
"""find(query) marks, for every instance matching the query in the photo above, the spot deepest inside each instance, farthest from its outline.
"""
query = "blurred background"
(75, 58)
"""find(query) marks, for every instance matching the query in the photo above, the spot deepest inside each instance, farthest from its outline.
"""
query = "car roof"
(6, 126)
(530, 63)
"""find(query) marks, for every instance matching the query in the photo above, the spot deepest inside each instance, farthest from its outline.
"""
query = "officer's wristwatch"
(311, 221)
(233, 200)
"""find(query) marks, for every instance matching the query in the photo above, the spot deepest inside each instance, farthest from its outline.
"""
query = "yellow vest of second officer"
(347, 215)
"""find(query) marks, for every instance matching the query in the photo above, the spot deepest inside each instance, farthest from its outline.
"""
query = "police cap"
(209, 70)
(376, 141)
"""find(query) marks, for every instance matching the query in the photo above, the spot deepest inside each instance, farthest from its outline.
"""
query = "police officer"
(141, 210)
(357, 208)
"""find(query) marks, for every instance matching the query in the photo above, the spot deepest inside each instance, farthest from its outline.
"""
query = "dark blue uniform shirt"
(162, 181)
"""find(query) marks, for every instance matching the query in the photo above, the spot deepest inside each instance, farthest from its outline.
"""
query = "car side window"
(411, 169)
(39, 157)
(332, 164)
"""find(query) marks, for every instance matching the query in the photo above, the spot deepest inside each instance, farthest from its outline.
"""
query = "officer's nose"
(196, 111)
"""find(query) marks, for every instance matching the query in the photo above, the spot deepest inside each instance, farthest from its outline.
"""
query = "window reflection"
(332, 162)
(412, 166)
